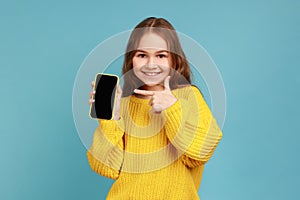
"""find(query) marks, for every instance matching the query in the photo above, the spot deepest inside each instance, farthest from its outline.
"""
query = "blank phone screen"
(105, 88)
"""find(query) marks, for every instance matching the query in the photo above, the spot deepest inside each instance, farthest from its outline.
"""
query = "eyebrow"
(160, 51)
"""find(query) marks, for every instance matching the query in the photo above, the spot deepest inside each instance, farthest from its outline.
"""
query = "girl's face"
(152, 62)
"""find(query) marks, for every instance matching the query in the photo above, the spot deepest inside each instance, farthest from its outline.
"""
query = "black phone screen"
(105, 87)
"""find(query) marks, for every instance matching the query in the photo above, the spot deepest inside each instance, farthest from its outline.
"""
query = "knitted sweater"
(156, 156)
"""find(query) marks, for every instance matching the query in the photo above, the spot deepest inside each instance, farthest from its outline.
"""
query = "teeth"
(151, 73)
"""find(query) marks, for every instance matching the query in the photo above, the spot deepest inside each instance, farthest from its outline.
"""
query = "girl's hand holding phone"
(118, 100)
(160, 100)
(91, 100)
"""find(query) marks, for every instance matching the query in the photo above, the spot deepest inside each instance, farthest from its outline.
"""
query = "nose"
(151, 62)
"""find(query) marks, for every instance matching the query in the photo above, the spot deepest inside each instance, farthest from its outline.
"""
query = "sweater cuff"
(112, 129)
(102, 168)
(107, 146)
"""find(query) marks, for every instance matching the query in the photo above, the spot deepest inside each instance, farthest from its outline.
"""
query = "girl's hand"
(117, 103)
(91, 100)
(160, 100)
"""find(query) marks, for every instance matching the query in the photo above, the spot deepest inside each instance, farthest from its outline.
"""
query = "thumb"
(119, 89)
(167, 83)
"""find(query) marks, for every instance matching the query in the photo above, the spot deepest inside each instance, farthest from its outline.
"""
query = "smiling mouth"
(151, 73)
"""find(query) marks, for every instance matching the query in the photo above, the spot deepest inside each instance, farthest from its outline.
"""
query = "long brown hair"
(180, 75)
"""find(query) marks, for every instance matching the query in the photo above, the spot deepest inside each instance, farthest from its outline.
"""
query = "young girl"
(162, 132)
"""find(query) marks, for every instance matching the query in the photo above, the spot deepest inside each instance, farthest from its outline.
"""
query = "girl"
(162, 132)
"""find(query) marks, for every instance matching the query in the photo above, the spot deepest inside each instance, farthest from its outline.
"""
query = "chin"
(151, 82)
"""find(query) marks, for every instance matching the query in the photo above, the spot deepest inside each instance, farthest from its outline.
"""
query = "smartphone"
(105, 96)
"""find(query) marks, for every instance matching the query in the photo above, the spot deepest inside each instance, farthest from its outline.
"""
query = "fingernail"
(94, 92)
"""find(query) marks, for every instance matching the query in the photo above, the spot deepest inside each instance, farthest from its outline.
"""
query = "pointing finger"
(167, 83)
(144, 92)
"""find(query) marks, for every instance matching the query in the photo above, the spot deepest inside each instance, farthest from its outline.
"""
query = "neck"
(153, 88)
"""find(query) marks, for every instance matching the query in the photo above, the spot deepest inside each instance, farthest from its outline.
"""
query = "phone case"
(104, 74)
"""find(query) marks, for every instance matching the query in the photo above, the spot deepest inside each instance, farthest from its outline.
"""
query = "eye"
(141, 55)
(162, 56)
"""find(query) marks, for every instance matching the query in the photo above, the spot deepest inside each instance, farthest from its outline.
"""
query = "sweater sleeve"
(192, 129)
(105, 155)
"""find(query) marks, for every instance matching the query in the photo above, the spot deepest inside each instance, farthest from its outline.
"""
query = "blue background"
(255, 45)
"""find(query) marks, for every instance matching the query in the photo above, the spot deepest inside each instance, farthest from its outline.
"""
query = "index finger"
(144, 92)
(93, 84)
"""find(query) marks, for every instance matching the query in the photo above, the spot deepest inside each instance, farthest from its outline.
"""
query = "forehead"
(152, 41)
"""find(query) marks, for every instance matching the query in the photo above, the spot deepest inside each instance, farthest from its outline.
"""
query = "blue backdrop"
(255, 45)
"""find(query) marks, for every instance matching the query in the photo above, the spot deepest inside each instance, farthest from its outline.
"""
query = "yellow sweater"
(156, 156)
